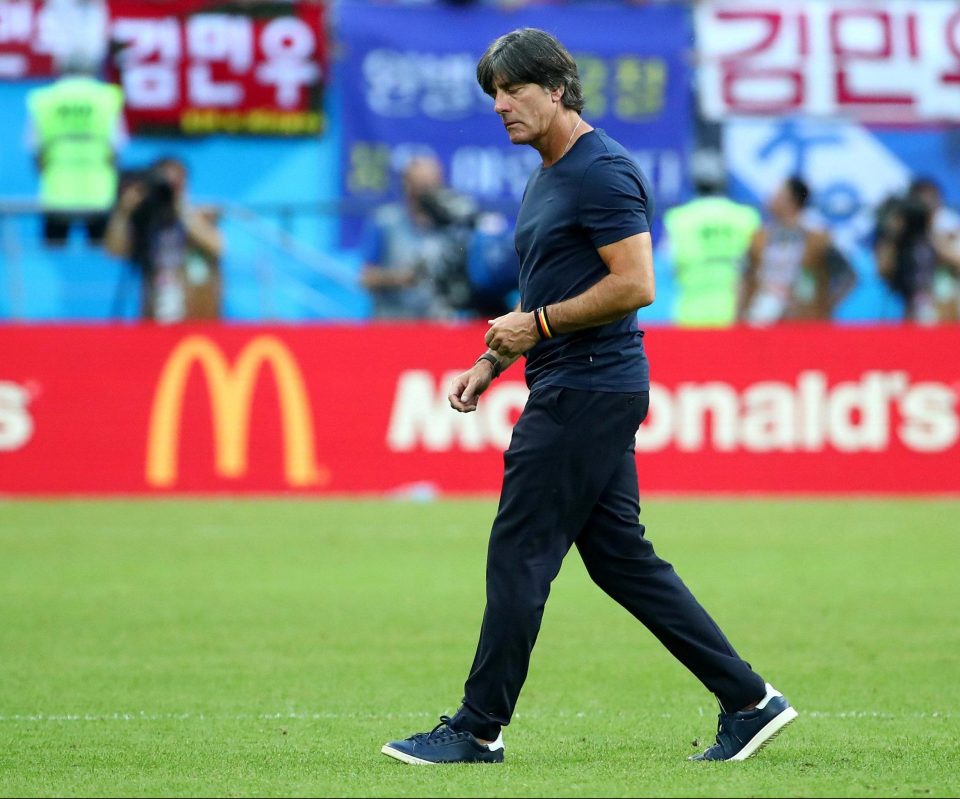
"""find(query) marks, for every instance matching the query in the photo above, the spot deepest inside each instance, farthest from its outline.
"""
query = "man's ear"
(557, 94)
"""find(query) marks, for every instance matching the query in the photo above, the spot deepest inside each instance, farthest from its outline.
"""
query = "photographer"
(909, 252)
(405, 248)
(175, 248)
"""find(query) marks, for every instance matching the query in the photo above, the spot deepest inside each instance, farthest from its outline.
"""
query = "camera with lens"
(453, 215)
(446, 208)
(156, 210)
(159, 195)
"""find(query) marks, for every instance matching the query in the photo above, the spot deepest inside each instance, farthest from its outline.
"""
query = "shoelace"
(441, 732)
(719, 727)
(722, 731)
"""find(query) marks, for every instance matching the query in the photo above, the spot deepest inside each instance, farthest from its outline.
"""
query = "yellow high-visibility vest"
(75, 121)
(709, 237)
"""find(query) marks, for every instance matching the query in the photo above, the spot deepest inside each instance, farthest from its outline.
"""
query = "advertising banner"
(347, 410)
(408, 90)
(880, 61)
(31, 31)
(850, 167)
(197, 67)
(186, 66)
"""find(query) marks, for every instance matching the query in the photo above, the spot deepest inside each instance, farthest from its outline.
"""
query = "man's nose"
(500, 104)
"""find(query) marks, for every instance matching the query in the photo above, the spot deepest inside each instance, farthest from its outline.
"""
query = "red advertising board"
(186, 66)
(27, 39)
(196, 66)
(882, 61)
(362, 409)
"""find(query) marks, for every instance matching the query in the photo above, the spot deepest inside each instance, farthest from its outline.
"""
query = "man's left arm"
(627, 287)
(815, 260)
(202, 233)
(947, 249)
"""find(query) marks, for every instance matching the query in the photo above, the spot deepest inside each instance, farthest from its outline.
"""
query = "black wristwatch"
(493, 360)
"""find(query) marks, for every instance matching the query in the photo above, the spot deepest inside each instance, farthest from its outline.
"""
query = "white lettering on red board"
(220, 54)
(807, 415)
(16, 423)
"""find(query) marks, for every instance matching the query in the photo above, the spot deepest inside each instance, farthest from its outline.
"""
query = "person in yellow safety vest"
(76, 129)
(708, 239)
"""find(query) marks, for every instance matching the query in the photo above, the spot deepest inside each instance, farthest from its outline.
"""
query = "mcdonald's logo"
(230, 389)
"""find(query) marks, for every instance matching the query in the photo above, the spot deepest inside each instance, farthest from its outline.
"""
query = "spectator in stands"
(909, 253)
(707, 240)
(414, 263)
(175, 247)
(945, 232)
(75, 130)
(794, 271)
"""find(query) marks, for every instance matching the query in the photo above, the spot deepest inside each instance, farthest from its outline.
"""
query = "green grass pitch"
(270, 647)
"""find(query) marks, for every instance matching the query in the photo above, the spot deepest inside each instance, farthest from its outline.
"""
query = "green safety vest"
(75, 120)
(709, 237)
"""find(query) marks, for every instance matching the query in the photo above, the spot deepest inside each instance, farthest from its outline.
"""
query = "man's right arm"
(374, 277)
(376, 274)
(748, 283)
(467, 387)
(116, 239)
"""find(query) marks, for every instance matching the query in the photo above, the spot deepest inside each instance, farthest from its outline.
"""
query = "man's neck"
(791, 220)
(560, 137)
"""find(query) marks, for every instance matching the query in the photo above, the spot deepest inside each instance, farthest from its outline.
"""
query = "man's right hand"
(466, 388)
(131, 197)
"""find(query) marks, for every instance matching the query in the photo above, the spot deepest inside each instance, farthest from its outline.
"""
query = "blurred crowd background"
(290, 161)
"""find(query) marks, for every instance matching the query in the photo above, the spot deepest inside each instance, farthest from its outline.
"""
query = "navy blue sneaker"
(444, 744)
(742, 734)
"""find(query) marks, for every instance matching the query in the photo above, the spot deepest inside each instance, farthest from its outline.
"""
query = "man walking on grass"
(586, 266)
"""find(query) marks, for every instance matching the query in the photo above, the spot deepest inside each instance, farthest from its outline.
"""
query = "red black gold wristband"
(543, 323)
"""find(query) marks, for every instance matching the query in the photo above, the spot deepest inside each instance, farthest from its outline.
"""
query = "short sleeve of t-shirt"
(613, 203)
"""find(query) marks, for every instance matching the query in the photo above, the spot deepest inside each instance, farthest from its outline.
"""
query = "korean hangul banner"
(879, 61)
(186, 66)
(33, 32)
(410, 87)
(205, 67)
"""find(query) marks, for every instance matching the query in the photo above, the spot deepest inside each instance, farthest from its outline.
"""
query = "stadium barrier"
(350, 409)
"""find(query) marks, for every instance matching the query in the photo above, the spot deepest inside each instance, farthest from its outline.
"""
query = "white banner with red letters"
(881, 61)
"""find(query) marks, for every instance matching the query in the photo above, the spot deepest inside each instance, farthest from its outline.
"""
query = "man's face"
(781, 204)
(527, 110)
(422, 176)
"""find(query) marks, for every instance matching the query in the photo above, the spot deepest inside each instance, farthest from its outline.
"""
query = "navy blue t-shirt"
(595, 195)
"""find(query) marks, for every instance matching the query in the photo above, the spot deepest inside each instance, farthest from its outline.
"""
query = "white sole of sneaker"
(767, 733)
(403, 757)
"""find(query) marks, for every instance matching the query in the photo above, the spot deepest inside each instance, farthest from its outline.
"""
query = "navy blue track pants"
(570, 478)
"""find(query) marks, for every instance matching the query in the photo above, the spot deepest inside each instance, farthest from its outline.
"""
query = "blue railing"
(281, 263)
(271, 271)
